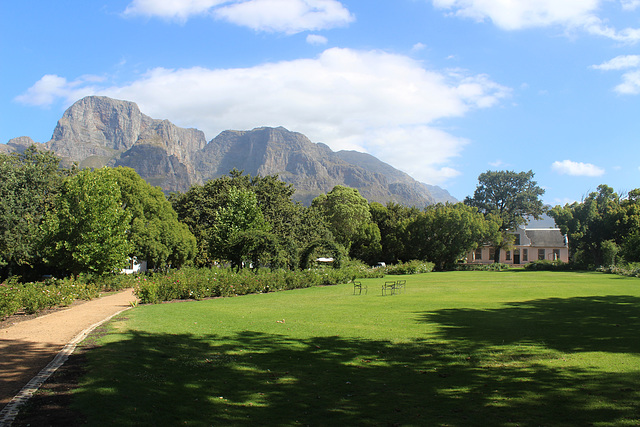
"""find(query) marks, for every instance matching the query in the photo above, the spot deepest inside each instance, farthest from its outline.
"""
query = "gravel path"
(27, 347)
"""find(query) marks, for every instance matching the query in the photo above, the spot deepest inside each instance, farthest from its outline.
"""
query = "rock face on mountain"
(100, 131)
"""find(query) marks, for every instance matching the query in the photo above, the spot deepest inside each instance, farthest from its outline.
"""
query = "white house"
(135, 266)
(531, 244)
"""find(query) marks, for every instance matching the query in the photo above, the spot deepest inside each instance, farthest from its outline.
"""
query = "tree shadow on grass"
(595, 323)
(253, 378)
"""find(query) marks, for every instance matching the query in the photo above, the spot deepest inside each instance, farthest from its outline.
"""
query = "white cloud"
(630, 84)
(171, 9)
(316, 39)
(630, 80)
(418, 47)
(621, 62)
(568, 167)
(630, 4)
(286, 16)
(373, 101)
(51, 87)
(521, 14)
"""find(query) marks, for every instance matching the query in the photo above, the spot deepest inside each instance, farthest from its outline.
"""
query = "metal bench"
(389, 286)
(357, 286)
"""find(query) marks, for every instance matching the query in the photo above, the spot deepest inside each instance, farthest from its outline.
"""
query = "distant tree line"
(68, 221)
(603, 229)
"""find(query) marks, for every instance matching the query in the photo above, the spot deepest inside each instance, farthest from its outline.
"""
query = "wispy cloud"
(285, 16)
(51, 87)
(521, 14)
(418, 47)
(621, 62)
(316, 39)
(568, 167)
(631, 79)
(373, 101)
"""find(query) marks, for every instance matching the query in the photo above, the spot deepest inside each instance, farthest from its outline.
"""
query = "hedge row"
(187, 283)
(631, 269)
(33, 297)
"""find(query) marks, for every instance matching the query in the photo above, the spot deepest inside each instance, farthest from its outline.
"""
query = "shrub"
(546, 265)
(200, 283)
(10, 297)
(494, 266)
(410, 267)
(631, 269)
(33, 297)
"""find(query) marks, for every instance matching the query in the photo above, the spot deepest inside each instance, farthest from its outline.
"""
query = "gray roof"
(548, 238)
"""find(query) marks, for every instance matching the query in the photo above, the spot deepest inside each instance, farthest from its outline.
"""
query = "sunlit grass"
(458, 348)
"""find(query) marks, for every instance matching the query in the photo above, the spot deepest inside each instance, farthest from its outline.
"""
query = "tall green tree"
(348, 216)
(240, 214)
(155, 232)
(88, 229)
(292, 224)
(29, 183)
(392, 221)
(599, 225)
(511, 197)
(443, 234)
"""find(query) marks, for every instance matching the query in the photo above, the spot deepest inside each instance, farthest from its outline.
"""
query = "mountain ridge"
(99, 131)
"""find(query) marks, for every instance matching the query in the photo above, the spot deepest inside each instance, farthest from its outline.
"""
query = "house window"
(556, 254)
(492, 254)
(517, 240)
(478, 254)
(525, 255)
(541, 254)
(508, 256)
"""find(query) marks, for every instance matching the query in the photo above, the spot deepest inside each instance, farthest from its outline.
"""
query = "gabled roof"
(546, 237)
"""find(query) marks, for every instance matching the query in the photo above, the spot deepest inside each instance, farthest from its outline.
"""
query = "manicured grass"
(457, 348)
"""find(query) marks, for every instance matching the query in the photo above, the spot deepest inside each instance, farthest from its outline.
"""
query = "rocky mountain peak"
(98, 131)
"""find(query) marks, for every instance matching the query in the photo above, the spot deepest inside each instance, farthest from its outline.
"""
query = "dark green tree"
(600, 225)
(443, 234)
(29, 183)
(155, 232)
(240, 214)
(348, 216)
(392, 221)
(511, 197)
(292, 224)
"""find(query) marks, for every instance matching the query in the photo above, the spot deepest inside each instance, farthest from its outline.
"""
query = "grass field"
(456, 348)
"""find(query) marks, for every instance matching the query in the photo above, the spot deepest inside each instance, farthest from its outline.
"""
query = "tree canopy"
(29, 183)
(87, 231)
(155, 232)
(511, 197)
(601, 225)
(349, 219)
(443, 234)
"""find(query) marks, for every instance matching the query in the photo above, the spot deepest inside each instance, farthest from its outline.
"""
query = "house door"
(516, 256)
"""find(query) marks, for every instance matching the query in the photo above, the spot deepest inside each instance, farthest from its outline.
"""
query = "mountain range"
(99, 131)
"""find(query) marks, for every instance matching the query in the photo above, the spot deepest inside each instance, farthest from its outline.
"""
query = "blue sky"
(442, 89)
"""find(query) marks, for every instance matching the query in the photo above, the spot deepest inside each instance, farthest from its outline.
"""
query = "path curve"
(28, 347)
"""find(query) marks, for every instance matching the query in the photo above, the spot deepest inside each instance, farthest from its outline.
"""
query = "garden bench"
(358, 286)
(389, 285)
(394, 286)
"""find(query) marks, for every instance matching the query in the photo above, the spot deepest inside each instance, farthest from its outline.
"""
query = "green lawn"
(456, 348)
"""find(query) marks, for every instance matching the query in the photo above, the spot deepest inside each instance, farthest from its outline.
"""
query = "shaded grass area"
(459, 348)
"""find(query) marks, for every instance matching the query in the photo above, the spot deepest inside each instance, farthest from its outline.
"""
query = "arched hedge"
(334, 248)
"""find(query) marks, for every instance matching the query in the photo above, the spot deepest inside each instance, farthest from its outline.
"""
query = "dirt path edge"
(11, 410)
